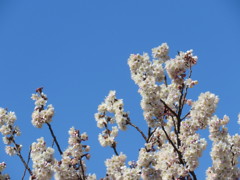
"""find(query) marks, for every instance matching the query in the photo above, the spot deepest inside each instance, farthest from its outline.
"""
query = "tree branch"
(24, 173)
(20, 156)
(137, 128)
(83, 173)
(173, 112)
(174, 147)
(54, 138)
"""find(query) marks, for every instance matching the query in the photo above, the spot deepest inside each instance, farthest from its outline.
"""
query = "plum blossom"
(72, 166)
(41, 115)
(3, 176)
(43, 160)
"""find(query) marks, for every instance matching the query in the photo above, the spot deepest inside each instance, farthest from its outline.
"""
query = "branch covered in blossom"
(172, 144)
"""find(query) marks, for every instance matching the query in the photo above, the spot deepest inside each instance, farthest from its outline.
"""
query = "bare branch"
(24, 173)
(137, 128)
(20, 156)
(54, 138)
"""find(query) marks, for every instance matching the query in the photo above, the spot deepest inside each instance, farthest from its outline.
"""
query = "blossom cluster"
(225, 151)
(3, 176)
(117, 169)
(72, 165)
(9, 130)
(104, 118)
(172, 144)
(43, 160)
(41, 115)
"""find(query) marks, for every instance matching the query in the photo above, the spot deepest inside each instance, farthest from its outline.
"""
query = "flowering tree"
(172, 145)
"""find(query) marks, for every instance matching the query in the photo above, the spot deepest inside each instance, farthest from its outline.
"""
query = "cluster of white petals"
(172, 144)
(43, 161)
(41, 115)
(9, 131)
(161, 52)
(72, 165)
(116, 169)
(203, 109)
(146, 74)
(111, 105)
(167, 163)
(192, 145)
(3, 176)
(107, 137)
(115, 106)
(173, 147)
(177, 67)
(225, 151)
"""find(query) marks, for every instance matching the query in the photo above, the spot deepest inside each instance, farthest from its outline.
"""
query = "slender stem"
(176, 132)
(165, 80)
(54, 138)
(173, 145)
(181, 103)
(83, 173)
(173, 112)
(150, 135)
(24, 173)
(114, 148)
(193, 175)
(20, 156)
(139, 130)
(185, 116)
(114, 143)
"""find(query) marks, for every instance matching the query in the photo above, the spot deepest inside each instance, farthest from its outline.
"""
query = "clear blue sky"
(78, 50)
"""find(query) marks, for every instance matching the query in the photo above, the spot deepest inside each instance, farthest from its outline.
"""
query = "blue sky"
(78, 50)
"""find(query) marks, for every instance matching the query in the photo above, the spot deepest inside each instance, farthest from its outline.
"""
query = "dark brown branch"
(114, 148)
(54, 138)
(185, 116)
(150, 135)
(174, 147)
(24, 173)
(137, 128)
(20, 156)
(173, 112)
(179, 153)
(114, 143)
(181, 101)
(193, 175)
(165, 80)
(176, 132)
(83, 173)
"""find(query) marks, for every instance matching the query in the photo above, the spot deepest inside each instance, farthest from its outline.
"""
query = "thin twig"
(176, 132)
(83, 173)
(179, 153)
(181, 101)
(193, 175)
(114, 143)
(149, 132)
(24, 173)
(165, 80)
(114, 148)
(20, 156)
(54, 138)
(185, 116)
(149, 136)
(174, 147)
(137, 128)
(173, 112)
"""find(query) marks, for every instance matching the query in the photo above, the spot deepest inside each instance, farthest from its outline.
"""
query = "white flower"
(161, 52)
(43, 160)
(10, 150)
